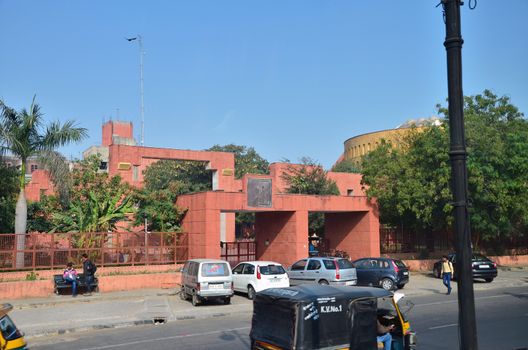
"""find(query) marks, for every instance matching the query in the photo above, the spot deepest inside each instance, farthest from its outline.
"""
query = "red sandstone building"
(281, 225)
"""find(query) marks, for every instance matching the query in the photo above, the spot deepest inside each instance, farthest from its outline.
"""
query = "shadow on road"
(518, 296)
(234, 335)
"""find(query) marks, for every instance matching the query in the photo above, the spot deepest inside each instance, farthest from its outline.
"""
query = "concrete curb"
(62, 331)
(67, 299)
(141, 322)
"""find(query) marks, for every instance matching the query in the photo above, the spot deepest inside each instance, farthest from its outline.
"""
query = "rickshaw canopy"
(317, 317)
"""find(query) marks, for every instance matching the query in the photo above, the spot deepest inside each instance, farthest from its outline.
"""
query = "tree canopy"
(247, 160)
(98, 202)
(412, 182)
(309, 177)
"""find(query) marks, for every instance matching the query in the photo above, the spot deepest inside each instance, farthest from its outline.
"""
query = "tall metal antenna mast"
(142, 111)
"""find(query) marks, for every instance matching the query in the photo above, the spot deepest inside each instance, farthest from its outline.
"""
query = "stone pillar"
(357, 233)
(286, 235)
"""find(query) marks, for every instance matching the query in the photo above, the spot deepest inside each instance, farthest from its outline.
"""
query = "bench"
(62, 285)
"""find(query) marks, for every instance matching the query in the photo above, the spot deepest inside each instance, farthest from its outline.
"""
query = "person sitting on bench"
(70, 276)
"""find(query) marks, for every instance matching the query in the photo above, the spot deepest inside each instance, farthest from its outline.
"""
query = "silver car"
(205, 279)
(323, 270)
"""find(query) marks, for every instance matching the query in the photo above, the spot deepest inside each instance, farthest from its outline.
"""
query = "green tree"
(346, 166)
(412, 183)
(164, 181)
(98, 202)
(24, 135)
(8, 195)
(247, 160)
(309, 177)
(181, 176)
(497, 145)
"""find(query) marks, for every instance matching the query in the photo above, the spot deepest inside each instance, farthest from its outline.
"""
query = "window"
(299, 265)
(400, 264)
(350, 192)
(272, 270)
(329, 264)
(103, 165)
(34, 167)
(185, 267)
(8, 329)
(193, 269)
(238, 269)
(384, 264)
(314, 264)
(367, 264)
(215, 269)
(344, 264)
(135, 173)
(249, 270)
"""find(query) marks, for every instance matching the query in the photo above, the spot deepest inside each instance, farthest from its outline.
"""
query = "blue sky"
(290, 78)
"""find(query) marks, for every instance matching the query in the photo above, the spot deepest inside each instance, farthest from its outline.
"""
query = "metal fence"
(55, 250)
(235, 252)
(398, 240)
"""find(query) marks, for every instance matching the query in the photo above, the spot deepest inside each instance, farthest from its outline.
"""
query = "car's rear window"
(215, 269)
(272, 270)
(479, 257)
(341, 263)
(399, 263)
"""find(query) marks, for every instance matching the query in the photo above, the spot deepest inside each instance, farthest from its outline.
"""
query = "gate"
(235, 252)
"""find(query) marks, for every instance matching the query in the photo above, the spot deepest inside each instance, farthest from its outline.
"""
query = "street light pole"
(457, 154)
(142, 111)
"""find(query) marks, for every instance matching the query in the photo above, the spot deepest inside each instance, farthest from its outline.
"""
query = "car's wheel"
(183, 294)
(323, 282)
(436, 272)
(251, 292)
(195, 300)
(387, 284)
(401, 286)
(227, 300)
(489, 280)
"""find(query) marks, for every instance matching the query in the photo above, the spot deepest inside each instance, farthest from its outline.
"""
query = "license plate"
(405, 273)
(484, 266)
(350, 283)
(216, 286)
(275, 280)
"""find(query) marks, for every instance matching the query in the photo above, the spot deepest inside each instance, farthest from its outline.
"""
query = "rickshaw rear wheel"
(227, 300)
(251, 292)
(195, 300)
(387, 284)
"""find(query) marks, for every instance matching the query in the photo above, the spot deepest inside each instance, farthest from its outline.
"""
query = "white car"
(254, 276)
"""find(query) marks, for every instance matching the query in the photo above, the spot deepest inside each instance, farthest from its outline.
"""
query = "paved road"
(502, 317)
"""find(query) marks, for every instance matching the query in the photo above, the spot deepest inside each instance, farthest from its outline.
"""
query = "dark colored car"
(386, 273)
(482, 267)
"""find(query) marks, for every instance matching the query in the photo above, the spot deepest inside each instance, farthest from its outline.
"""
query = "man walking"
(447, 273)
(89, 269)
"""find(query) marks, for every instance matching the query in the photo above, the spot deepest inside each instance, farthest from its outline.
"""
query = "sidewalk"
(62, 314)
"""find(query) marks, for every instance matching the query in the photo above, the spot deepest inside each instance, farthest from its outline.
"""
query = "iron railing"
(55, 250)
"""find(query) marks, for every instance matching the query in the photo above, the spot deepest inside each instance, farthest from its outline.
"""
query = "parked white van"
(204, 279)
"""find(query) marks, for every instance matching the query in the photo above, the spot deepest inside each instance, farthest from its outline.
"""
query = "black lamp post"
(457, 154)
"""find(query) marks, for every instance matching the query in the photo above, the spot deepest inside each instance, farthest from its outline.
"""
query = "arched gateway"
(281, 219)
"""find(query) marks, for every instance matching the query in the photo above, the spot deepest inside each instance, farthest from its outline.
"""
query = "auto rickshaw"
(10, 337)
(327, 317)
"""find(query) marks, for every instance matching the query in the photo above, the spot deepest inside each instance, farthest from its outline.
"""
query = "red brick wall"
(40, 180)
(117, 128)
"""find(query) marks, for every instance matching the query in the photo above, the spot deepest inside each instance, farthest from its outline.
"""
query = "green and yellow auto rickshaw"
(327, 317)
(10, 337)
